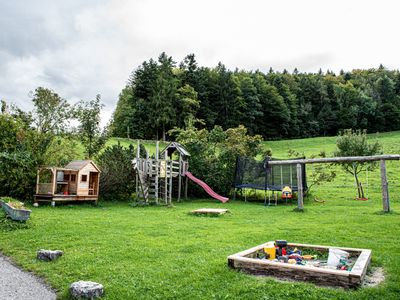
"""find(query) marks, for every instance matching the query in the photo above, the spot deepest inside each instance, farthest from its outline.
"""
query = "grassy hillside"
(343, 186)
(309, 146)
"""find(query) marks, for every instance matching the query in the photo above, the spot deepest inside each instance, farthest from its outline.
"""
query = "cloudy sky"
(80, 48)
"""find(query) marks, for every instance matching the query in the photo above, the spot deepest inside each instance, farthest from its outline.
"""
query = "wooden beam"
(37, 181)
(157, 171)
(180, 178)
(300, 204)
(335, 159)
(385, 190)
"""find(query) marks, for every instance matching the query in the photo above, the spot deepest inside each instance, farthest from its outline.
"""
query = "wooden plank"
(300, 204)
(335, 159)
(385, 189)
(244, 261)
(180, 178)
(360, 267)
(37, 181)
(211, 211)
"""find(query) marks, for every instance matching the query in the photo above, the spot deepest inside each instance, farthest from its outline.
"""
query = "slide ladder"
(206, 188)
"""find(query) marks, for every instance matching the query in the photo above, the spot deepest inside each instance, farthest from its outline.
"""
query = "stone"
(49, 255)
(86, 290)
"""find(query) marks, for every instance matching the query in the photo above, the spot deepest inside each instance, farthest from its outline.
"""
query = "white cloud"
(82, 48)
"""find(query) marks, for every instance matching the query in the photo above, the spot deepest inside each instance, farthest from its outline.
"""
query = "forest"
(161, 95)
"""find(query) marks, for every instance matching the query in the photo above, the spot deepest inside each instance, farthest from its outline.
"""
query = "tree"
(88, 114)
(355, 143)
(188, 104)
(117, 178)
(214, 152)
(50, 111)
(163, 98)
(123, 123)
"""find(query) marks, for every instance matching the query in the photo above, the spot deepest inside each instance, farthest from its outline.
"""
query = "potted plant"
(15, 209)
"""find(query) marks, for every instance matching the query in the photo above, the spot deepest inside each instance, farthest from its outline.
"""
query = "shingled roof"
(174, 146)
(80, 164)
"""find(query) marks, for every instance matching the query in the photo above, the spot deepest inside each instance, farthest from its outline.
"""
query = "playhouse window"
(66, 177)
(73, 177)
(84, 178)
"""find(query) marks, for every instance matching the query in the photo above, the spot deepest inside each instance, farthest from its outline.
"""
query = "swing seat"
(361, 199)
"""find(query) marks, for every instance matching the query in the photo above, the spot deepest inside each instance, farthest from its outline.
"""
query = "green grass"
(166, 253)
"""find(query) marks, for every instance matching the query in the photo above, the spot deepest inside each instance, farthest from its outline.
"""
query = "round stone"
(86, 290)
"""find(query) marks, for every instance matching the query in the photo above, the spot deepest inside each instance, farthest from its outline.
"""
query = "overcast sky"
(87, 47)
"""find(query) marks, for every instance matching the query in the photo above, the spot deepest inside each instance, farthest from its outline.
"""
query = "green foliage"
(51, 111)
(274, 104)
(61, 151)
(21, 150)
(117, 175)
(214, 152)
(355, 143)
(88, 114)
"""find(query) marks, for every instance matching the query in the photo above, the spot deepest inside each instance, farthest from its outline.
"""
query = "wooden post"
(180, 178)
(157, 173)
(166, 178)
(37, 181)
(186, 187)
(385, 190)
(137, 169)
(170, 182)
(300, 204)
(54, 186)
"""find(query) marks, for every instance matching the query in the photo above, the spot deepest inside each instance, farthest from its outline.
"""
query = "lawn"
(165, 253)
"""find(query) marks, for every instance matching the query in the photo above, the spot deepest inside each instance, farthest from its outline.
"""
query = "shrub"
(213, 153)
(117, 178)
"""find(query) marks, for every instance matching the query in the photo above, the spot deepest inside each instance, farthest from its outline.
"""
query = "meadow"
(166, 253)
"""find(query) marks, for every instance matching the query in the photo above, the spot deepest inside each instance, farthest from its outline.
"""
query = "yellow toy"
(286, 192)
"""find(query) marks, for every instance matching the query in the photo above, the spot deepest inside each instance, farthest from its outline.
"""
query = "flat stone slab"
(16, 284)
(210, 211)
(86, 290)
(49, 255)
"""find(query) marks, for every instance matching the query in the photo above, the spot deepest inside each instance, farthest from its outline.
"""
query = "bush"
(117, 179)
(213, 154)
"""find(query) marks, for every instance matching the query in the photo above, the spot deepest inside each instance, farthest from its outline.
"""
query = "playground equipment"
(272, 179)
(156, 177)
(77, 181)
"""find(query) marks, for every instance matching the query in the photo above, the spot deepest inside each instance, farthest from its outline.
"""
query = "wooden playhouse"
(77, 181)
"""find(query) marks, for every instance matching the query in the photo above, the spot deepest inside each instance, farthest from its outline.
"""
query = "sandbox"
(249, 262)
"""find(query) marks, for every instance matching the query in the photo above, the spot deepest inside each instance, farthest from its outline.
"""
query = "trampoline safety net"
(254, 174)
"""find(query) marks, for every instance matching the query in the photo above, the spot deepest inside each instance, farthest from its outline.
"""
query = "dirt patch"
(373, 277)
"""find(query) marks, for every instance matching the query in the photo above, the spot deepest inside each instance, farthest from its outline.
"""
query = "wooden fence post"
(300, 204)
(385, 190)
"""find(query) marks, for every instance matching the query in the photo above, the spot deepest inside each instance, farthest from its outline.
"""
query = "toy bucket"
(335, 255)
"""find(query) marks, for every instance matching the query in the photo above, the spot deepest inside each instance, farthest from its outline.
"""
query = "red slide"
(206, 188)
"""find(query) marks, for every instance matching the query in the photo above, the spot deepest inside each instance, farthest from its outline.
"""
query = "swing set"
(287, 176)
(348, 159)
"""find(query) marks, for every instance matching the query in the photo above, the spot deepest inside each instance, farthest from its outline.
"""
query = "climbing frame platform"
(210, 211)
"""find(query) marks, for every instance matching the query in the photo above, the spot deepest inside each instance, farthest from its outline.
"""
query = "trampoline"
(259, 175)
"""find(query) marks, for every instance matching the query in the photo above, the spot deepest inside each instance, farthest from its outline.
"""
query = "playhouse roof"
(174, 146)
(80, 164)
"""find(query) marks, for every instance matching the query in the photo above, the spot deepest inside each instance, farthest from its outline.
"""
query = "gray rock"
(86, 290)
(48, 255)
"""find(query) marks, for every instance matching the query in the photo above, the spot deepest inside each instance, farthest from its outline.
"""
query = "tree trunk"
(163, 132)
(360, 190)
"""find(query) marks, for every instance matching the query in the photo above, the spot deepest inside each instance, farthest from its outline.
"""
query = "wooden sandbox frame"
(246, 262)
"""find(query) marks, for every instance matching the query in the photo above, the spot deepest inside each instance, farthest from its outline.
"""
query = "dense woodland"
(162, 94)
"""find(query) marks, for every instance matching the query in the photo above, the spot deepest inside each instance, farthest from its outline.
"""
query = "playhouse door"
(93, 183)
